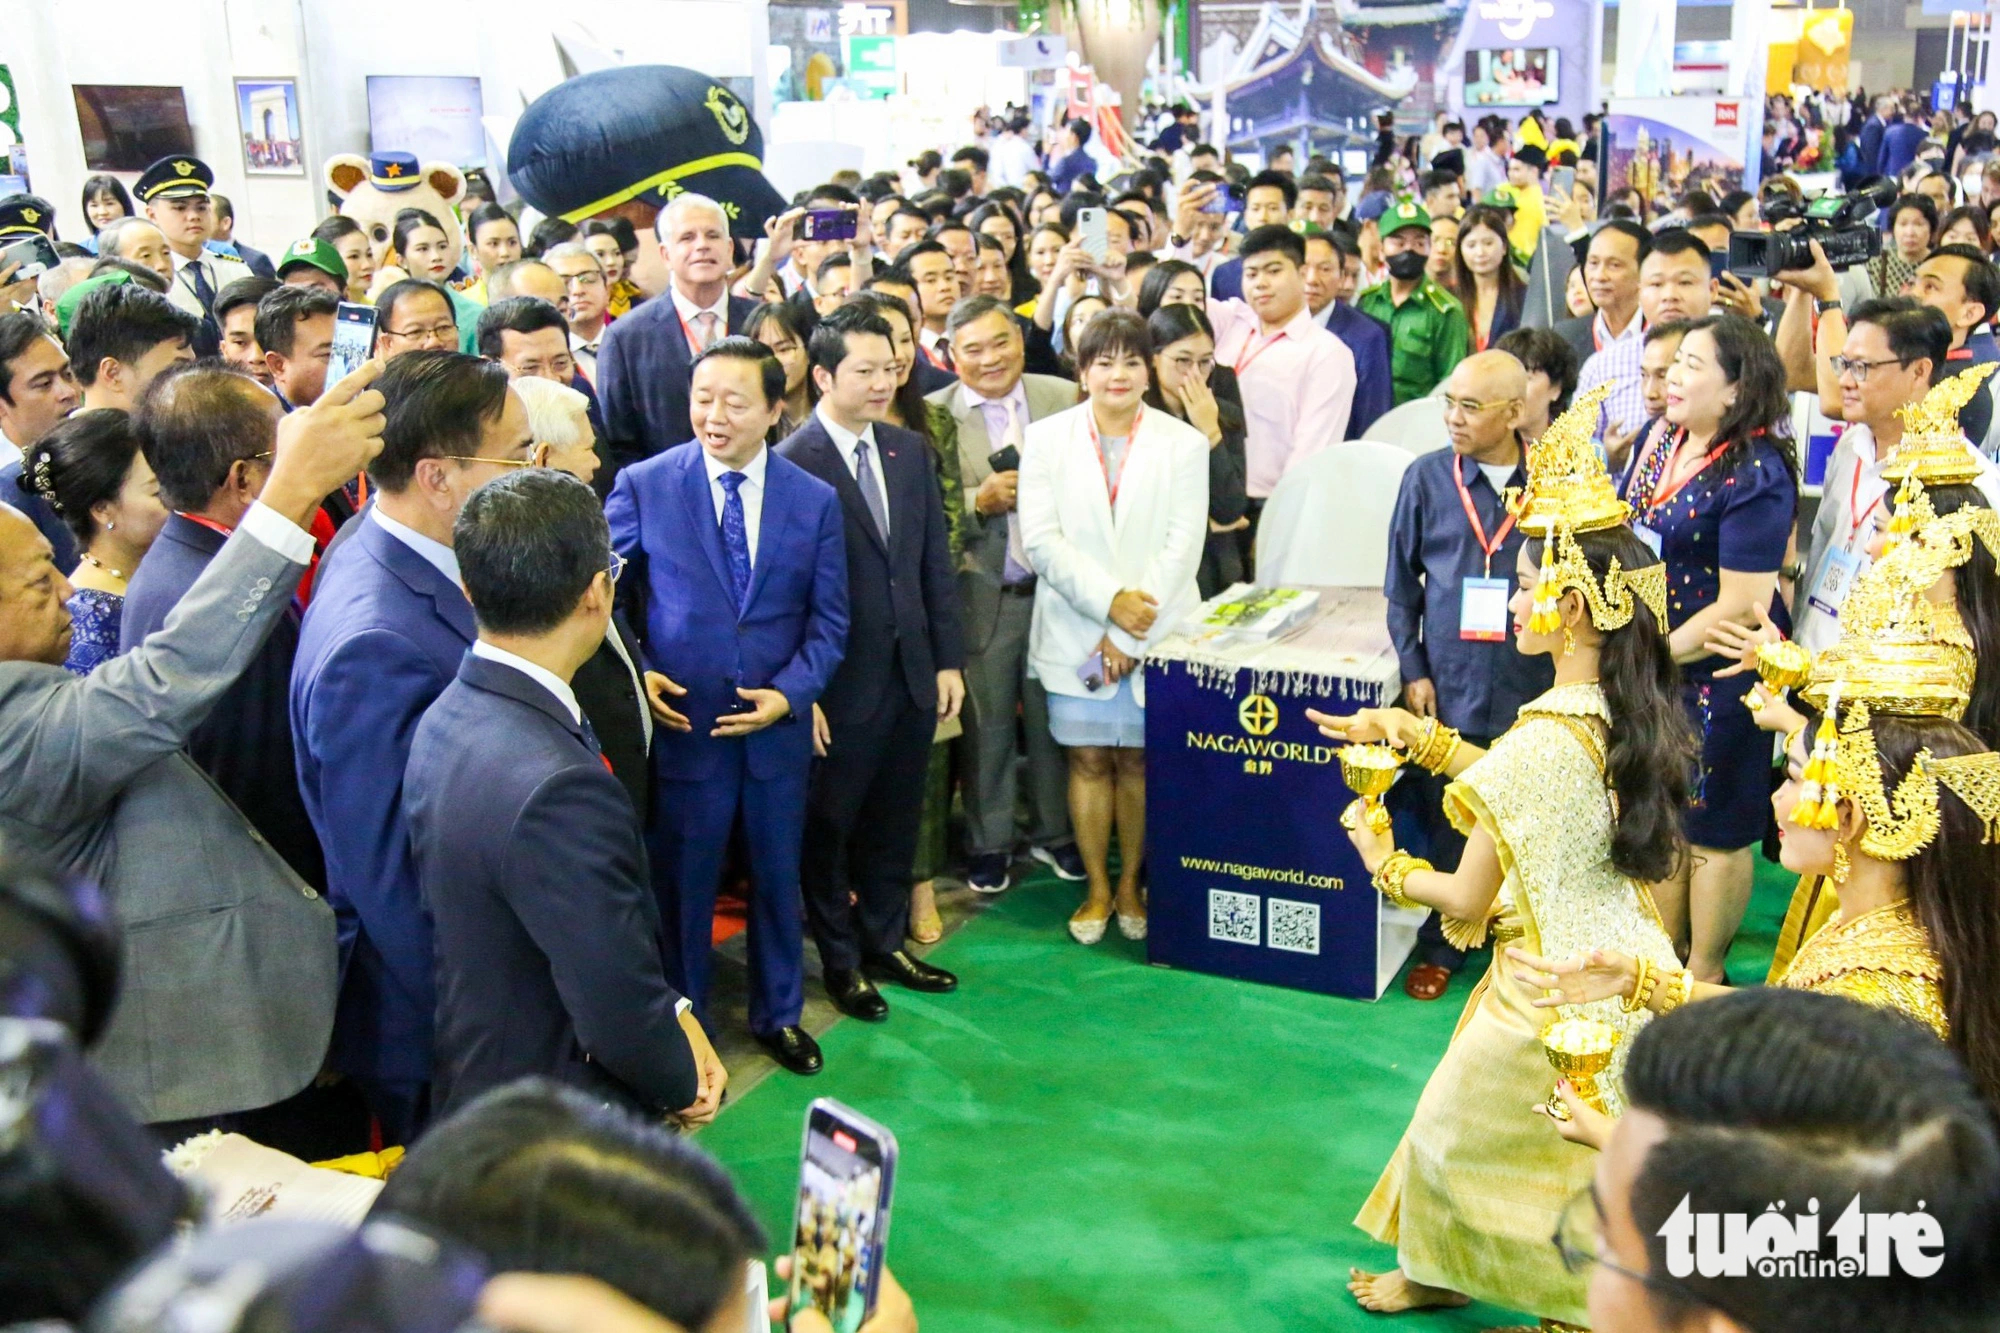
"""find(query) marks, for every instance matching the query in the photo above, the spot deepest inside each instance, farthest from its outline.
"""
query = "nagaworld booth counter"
(1250, 873)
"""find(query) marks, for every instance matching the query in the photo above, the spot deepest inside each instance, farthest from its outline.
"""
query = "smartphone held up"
(841, 1231)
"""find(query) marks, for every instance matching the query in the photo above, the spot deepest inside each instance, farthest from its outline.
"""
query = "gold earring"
(1840, 864)
(1569, 641)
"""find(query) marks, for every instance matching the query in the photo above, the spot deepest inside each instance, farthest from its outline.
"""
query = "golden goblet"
(1783, 665)
(1580, 1049)
(1371, 770)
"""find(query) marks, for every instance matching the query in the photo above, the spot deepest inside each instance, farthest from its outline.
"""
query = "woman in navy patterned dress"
(1716, 494)
(91, 472)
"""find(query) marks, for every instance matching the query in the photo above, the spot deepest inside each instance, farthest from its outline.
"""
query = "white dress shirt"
(751, 492)
(689, 311)
(439, 556)
(846, 441)
(279, 533)
(10, 454)
(541, 675)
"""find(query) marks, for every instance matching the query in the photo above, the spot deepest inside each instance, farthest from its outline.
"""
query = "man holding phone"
(993, 403)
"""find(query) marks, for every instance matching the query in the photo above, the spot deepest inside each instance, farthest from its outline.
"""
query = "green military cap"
(1502, 196)
(1402, 216)
(67, 303)
(314, 253)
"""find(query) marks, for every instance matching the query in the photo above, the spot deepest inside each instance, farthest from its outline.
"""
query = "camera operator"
(1955, 280)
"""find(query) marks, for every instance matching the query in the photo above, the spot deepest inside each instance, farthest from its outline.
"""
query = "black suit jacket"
(902, 598)
(610, 694)
(643, 370)
(545, 928)
(245, 743)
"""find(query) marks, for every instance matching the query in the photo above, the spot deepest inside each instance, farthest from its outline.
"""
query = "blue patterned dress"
(94, 617)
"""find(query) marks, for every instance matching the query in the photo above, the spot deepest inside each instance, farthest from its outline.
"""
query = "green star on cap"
(1404, 216)
(1502, 196)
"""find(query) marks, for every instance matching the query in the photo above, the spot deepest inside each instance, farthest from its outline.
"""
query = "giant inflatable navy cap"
(644, 133)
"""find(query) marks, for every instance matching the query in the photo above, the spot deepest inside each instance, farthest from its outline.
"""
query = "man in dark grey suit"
(528, 850)
(993, 406)
(229, 956)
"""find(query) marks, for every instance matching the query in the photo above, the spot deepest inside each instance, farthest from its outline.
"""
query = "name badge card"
(1482, 609)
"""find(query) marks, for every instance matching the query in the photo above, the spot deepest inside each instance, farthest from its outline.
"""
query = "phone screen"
(34, 255)
(831, 224)
(1093, 234)
(843, 1217)
(353, 340)
(1562, 180)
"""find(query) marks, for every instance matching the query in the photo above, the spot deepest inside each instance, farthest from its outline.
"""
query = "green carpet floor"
(1092, 1143)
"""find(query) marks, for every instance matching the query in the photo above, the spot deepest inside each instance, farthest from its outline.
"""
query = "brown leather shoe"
(1426, 981)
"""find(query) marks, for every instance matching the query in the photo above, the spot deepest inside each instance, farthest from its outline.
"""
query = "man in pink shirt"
(1297, 378)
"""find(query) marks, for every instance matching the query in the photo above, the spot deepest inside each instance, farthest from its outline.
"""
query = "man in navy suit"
(207, 432)
(647, 357)
(381, 640)
(741, 575)
(902, 673)
(528, 850)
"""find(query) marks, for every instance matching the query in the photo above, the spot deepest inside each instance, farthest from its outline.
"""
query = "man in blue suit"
(206, 431)
(903, 672)
(647, 357)
(381, 640)
(741, 571)
(528, 850)
(1333, 268)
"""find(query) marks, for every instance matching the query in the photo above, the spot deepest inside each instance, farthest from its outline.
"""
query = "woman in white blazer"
(1113, 503)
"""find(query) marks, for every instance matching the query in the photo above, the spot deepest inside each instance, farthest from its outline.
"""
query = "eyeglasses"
(617, 566)
(1199, 365)
(481, 458)
(1576, 1240)
(587, 279)
(437, 333)
(1472, 407)
(1845, 365)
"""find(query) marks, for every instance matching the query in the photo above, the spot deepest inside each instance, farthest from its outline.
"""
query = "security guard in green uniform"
(1428, 331)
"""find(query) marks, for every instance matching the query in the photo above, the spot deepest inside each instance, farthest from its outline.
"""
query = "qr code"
(1234, 917)
(1294, 926)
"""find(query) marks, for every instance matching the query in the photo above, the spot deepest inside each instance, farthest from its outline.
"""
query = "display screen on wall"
(128, 127)
(1512, 76)
(435, 117)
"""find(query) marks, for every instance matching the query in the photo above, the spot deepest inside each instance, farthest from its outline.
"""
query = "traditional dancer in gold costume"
(1570, 813)
(1894, 803)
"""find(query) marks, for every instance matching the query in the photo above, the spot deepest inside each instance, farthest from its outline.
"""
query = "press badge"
(1648, 536)
(1482, 609)
(1835, 581)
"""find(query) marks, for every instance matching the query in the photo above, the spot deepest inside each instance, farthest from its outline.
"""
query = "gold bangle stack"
(1678, 991)
(1642, 988)
(1435, 747)
(1395, 871)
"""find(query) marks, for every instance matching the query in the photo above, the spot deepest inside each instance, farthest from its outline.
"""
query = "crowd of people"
(413, 722)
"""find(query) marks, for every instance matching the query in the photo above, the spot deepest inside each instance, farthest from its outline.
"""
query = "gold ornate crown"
(1899, 653)
(1934, 449)
(1569, 492)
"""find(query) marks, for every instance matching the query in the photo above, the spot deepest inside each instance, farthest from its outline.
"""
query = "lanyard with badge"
(1482, 602)
(1844, 559)
(1244, 363)
(1656, 497)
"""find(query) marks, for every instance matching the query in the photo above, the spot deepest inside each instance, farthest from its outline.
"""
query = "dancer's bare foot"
(1391, 1292)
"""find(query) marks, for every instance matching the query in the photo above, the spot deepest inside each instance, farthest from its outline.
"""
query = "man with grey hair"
(49, 288)
(140, 242)
(586, 302)
(647, 358)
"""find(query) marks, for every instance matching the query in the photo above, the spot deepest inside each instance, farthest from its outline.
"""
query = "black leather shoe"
(908, 973)
(856, 996)
(793, 1048)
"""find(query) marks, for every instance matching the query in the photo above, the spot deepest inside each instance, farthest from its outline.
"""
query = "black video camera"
(1842, 224)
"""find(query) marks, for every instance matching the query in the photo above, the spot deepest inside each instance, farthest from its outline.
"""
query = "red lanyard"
(1853, 498)
(1243, 362)
(932, 357)
(1658, 499)
(694, 348)
(1486, 548)
(1131, 437)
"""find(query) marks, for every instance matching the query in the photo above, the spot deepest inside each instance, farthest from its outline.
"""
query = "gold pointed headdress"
(1904, 655)
(1934, 450)
(1569, 492)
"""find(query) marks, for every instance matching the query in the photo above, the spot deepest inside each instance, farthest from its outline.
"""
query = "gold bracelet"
(1435, 747)
(1678, 991)
(1395, 871)
(1642, 988)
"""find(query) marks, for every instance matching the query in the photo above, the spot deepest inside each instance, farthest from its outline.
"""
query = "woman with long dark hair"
(90, 471)
(104, 202)
(998, 221)
(781, 326)
(1484, 277)
(1570, 814)
(1183, 369)
(934, 421)
(1172, 282)
(1718, 492)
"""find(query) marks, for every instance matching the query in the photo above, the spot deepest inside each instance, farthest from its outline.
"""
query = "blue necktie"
(735, 536)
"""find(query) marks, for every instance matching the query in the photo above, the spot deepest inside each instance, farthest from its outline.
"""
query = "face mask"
(1407, 266)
